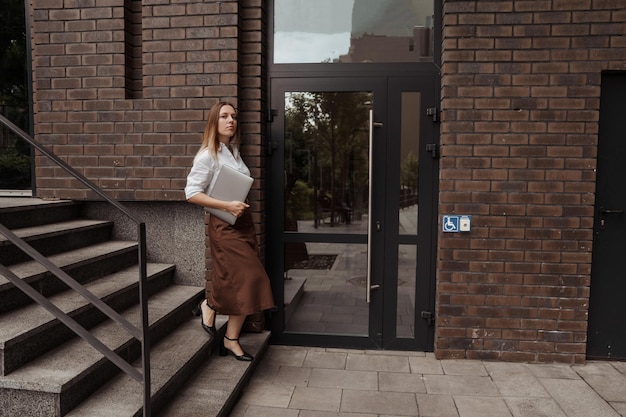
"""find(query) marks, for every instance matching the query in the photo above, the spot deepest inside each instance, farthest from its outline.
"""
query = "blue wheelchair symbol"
(450, 223)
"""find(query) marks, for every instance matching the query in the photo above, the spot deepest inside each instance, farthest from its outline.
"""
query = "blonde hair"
(210, 140)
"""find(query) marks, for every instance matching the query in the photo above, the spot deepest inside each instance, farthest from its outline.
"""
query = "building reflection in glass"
(343, 31)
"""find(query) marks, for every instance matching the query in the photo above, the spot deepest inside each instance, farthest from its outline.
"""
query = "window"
(353, 31)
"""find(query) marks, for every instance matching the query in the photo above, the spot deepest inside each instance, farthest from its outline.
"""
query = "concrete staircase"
(47, 371)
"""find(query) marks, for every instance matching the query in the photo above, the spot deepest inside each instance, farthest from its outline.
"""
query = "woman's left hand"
(237, 208)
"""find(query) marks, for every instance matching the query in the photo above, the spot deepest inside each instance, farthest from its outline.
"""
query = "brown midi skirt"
(239, 284)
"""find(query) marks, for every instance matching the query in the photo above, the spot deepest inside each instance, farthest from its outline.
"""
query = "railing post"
(145, 342)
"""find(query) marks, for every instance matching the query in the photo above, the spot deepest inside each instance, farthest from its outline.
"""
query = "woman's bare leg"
(233, 329)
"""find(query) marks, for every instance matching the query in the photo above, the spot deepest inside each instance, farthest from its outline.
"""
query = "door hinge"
(270, 115)
(434, 113)
(429, 316)
(433, 148)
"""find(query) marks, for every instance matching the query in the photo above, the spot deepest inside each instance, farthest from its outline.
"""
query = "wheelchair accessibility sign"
(455, 224)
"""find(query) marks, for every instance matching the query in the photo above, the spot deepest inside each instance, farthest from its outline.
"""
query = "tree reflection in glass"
(326, 158)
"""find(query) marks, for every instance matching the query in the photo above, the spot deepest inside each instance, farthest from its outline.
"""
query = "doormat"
(316, 262)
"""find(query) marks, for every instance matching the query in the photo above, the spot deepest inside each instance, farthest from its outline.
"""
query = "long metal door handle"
(369, 216)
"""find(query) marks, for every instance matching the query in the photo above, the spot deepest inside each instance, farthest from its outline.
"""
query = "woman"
(239, 285)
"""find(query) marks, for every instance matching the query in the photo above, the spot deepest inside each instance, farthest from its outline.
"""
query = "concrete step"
(55, 238)
(30, 331)
(16, 213)
(214, 389)
(84, 265)
(52, 373)
(173, 360)
(56, 382)
(294, 288)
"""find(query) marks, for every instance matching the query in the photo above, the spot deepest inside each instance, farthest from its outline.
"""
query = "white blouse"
(201, 178)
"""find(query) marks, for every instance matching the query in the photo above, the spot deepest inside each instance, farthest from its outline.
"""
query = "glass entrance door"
(345, 180)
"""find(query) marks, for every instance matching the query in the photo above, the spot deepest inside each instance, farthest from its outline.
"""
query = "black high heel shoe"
(245, 357)
(197, 311)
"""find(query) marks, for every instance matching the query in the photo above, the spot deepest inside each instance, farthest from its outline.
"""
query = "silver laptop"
(230, 185)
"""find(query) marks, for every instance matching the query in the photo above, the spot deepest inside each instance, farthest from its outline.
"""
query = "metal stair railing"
(141, 334)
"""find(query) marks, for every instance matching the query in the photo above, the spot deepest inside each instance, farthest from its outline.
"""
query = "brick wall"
(520, 109)
(122, 89)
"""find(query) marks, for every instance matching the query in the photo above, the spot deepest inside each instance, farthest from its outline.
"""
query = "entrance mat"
(316, 262)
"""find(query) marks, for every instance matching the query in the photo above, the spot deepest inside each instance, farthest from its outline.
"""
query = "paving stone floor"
(296, 381)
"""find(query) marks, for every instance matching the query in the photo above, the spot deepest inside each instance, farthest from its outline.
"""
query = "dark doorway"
(351, 255)
(353, 172)
(607, 309)
(15, 99)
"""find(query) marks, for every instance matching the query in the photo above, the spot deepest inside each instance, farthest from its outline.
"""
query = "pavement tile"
(460, 385)
(367, 362)
(313, 398)
(342, 350)
(340, 378)
(257, 411)
(285, 355)
(463, 367)
(620, 408)
(620, 366)
(389, 403)
(268, 395)
(310, 315)
(401, 382)
(337, 318)
(400, 353)
(315, 413)
(425, 365)
(293, 375)
(577, 399)
(266, 371)
(481, 407)
(436, 406)
(607, 381)
(321, 359)
(239, 409)
(534, 407)
(547, 370)
(323, 382)
(347, 328)
(515, 380)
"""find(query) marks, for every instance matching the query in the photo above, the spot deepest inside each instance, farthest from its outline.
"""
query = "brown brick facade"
(122, 89)
(520, 110)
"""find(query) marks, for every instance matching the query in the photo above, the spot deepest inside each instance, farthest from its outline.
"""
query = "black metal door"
(348, 156)
(607, 307)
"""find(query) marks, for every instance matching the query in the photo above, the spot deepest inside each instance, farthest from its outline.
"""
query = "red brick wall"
(122, 89)
(520, 109)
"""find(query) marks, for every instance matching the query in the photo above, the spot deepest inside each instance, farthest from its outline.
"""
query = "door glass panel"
(326, 192)
(326, 161)
(324, 287)
(407, 254)
(407, 266)
(409, 157)
(339, 31)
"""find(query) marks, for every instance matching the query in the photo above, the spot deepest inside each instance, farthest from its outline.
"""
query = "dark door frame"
(425, 301)
(426, 239)
(382, 317)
